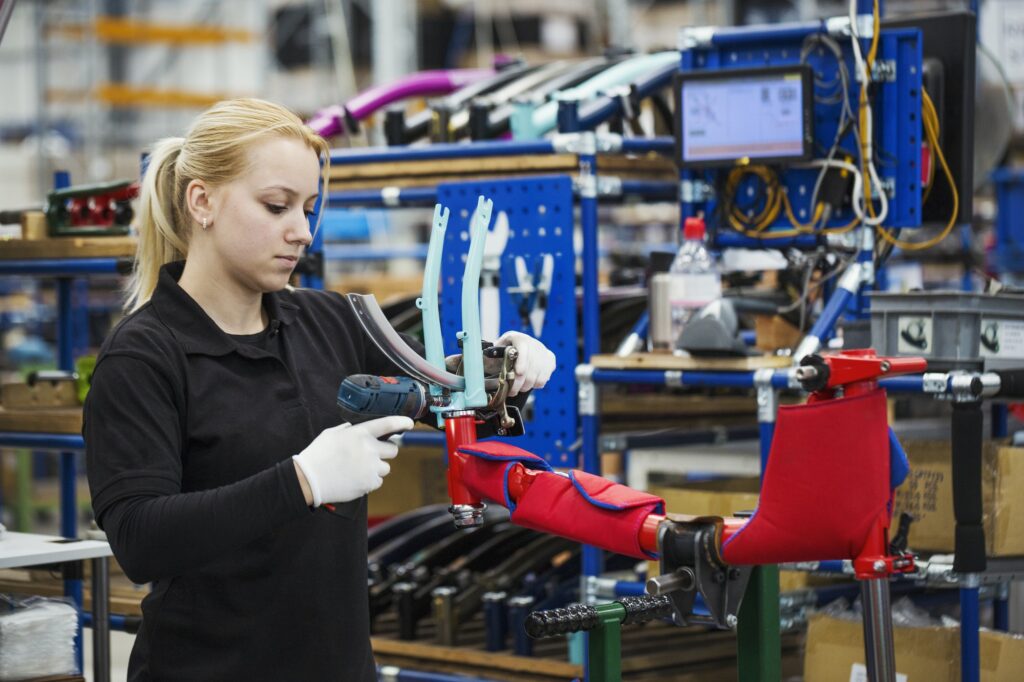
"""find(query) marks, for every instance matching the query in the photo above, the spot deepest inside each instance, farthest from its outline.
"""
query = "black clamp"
(691, 564)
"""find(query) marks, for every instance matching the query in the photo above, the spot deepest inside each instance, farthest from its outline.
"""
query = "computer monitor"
(949, 46)
(731, 116)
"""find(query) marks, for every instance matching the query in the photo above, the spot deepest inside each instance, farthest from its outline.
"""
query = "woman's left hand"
(534, 364)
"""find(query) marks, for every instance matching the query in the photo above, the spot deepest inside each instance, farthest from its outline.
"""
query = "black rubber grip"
(644, 609)
(553, 622)
(967, 508)
(1011, 383)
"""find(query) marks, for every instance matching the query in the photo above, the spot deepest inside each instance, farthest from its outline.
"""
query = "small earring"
(204, 223)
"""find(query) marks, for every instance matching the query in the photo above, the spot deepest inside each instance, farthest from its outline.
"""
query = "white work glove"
(534, 365)
(346, 462)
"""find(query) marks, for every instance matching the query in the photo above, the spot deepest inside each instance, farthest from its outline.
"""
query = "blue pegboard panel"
(896, 105)
(540, 214)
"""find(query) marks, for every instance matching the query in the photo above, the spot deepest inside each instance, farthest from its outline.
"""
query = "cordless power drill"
(364, 396)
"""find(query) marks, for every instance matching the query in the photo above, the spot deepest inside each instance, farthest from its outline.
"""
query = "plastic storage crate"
(951, 329)
(1009, 250)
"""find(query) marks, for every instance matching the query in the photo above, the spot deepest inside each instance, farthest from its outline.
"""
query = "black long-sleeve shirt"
(189, 435)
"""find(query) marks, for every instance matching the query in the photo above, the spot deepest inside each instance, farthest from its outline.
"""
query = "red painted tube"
(459, 431)
(520, 478)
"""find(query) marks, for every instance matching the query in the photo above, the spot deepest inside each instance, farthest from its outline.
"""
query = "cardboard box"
(417, 478)
(723, 497)
(835, 653)
(927, 494)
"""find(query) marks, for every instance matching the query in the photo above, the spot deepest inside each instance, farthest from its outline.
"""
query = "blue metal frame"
(540, 213)
(897, 108)
(60, 268)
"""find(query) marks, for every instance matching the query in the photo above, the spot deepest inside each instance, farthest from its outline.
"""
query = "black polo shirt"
(189, 436)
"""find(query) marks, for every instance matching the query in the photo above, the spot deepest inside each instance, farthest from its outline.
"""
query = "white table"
(21, 550)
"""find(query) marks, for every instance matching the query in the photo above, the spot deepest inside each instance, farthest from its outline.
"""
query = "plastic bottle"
(694, 278)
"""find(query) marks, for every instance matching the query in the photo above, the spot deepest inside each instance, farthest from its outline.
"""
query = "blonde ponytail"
(215, 150)
(160, 218)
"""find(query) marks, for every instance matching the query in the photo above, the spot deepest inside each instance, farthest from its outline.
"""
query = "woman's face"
(260, 220)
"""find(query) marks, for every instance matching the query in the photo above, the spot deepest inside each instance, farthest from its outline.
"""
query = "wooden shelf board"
(666, 361)
(67, 247)
(64, 420)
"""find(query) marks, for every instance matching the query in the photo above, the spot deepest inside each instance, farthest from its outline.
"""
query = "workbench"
(65, 258)
(23, 550)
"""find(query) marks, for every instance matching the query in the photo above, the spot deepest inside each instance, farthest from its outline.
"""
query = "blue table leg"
(970, 643)
(73, 589)
(1001, 608)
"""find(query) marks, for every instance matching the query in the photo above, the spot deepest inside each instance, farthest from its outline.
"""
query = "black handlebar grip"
(553, 622)
(1011, 383)
(647, 608)
(966, 470)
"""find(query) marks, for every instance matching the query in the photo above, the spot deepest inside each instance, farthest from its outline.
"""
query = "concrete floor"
(120, 648)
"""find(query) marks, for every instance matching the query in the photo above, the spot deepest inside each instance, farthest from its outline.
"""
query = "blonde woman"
(212, 436)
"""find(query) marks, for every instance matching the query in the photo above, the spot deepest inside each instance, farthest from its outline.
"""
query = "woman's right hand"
(346, 462)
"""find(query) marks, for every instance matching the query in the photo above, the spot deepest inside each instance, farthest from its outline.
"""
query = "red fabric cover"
(497, 450)
(826, 484)
(487, 465)
(588, 509)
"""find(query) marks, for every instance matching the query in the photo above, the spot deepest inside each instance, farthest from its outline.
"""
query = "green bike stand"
(757, 630)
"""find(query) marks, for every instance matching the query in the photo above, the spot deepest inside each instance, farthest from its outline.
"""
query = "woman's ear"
(198, 200)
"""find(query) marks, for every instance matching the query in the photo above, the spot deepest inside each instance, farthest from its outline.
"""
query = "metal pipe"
(388, 196)
(970, 642)
(591, 265)
(906, 384)
(65, 268)
(518, 609)
(101, 619)
(437, 152)
(667, 191)
(731, 240)
(662, 378)
(331, 121)
(444, 615)
(636, 341)
(849, 285)
(41, 441)
(119, 623)
(1001, 608)
(495, 620)
(6, 9)
(422, 439)
(362, 252)
(642, 145)
(878, 643)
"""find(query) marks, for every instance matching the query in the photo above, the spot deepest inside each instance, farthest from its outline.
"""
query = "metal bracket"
(608, 143)
(391, 196)
(583, 144)
(935, 382)
(884, 71)
(389, 673)
(695, 191)
(690, 563)
(585, 185)
(767, 397)
(888, 186)
(693, 37)
(791, 379)
(839, 27)
(674, 378)
(586, 394)
(609, 186)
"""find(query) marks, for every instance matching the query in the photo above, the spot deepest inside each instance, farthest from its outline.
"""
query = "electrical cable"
(870, 173)
(930, 121)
